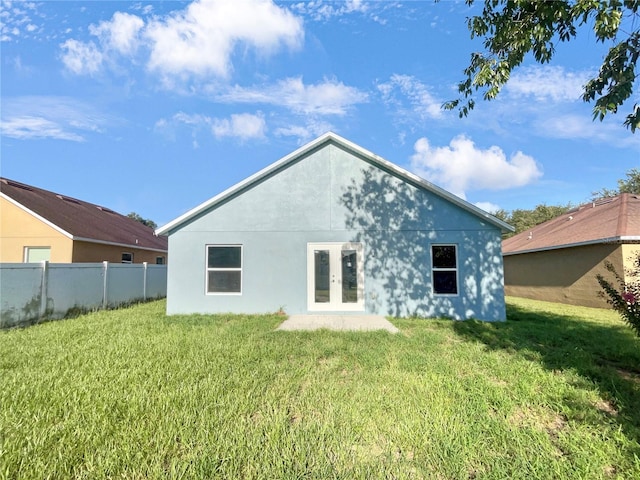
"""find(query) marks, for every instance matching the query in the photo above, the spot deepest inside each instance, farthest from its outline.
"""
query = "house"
(334, 228)
(37, 224)
(558, 260)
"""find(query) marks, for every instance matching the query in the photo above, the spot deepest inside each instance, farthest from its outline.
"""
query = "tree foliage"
(523, 219)
(629, 185)
(145, 221)
(625, 297)
(512, 29)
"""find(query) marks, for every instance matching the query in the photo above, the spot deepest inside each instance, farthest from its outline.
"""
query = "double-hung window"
(445, 269)
(224, 269)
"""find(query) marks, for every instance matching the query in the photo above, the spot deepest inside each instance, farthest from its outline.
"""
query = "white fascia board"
(330, 136)
(116, 244)
(35, 215)
(622, 239)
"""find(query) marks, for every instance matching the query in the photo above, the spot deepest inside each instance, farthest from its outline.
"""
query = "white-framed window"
(37, 254)
(127, 257)
(224, 269)
(159, 260)
(444, 262)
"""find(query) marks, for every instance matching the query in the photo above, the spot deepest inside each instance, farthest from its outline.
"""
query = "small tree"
(625, 297)
(145, 221)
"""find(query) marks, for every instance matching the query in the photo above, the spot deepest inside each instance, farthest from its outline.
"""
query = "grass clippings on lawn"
(132, 393)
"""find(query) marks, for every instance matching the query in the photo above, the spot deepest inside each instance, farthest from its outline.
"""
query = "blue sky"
(154, 107)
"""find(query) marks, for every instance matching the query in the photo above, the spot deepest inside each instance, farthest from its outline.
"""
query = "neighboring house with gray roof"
(558, 260)
(36, 224)
(334, 228)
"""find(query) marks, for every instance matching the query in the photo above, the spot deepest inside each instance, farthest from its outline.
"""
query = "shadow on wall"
(398, 223)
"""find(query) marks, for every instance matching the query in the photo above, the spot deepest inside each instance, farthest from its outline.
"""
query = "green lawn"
(552, 393)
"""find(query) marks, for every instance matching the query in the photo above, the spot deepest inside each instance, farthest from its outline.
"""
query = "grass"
(552, 393)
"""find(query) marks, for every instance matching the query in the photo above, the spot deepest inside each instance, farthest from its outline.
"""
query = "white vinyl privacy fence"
(31, 292)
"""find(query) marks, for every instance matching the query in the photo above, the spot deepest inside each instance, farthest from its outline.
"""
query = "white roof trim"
(626, 238)
(34, 214)
(330, 136)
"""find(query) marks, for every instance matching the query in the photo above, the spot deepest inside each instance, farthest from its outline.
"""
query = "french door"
(335, 277)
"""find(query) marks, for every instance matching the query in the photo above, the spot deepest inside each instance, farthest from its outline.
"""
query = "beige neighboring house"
(558, 260)
(37, 225)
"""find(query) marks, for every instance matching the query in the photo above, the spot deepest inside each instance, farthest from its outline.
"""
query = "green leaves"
(514, 28)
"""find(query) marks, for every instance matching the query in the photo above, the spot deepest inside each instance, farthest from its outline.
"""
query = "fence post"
(44, 289)
(105, 290)
(144, 285)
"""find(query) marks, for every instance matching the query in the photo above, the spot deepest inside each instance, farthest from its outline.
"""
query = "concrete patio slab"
(338, 322)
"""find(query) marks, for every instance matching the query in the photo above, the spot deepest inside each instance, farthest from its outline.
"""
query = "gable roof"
(323, 140)
(614, 219)
(81, 220)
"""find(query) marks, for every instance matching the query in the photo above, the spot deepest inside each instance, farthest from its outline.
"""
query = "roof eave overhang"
(117, 244)
(174, 225)
(620, 239)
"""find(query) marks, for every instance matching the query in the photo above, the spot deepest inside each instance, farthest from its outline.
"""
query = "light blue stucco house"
(334, 228)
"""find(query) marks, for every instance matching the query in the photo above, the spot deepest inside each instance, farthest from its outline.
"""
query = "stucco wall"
(19, 229)
(332, 196)
(87, 252)
(566, 275)
(630, 252)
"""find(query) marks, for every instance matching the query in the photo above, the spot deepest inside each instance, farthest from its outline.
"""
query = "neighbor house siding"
(331, 195)
(630, 253)
(565, 275)
(32, 233)
(87, 252)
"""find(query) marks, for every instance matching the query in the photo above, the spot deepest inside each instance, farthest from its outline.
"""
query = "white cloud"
(304, 133)
(461, 166)
(120, 34)
(28, 128)
(59, 118)
(488, 207)
(81, 58)
(323, 11)
(244, 126)
(200, 39)
(195, 42)
(329, 97)
(15, 20)
(411, 97)
(547, 83)
(319, 10)
(580, 127)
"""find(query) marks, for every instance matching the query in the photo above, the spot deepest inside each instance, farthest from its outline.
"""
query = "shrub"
(625, 297)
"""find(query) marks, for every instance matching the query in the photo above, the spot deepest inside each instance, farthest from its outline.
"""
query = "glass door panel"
(335, 277)
(349, 276)
(322, 285)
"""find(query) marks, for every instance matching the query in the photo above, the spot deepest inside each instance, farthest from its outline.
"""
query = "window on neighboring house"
(159, 260)
(37, 254)
(127, 257)
(445, 269)
(224, 269)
